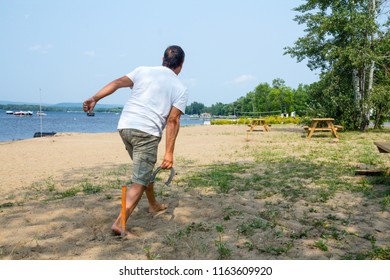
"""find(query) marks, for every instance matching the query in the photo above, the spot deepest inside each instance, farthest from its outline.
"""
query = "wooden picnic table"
(258, 122)
(383, 147)
(329, 126)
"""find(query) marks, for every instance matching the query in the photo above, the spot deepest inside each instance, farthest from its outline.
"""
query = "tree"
(262, 93)
(195, 108)
(380, 96)
(340, 41)
(300, 97)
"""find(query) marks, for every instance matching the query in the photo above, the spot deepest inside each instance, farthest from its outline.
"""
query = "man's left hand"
(167, 161)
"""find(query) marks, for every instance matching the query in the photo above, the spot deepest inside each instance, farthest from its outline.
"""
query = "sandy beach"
(59, 196)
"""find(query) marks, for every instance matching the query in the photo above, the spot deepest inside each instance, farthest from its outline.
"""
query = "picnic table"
(329, 126)
(383, 147)
(258, 122)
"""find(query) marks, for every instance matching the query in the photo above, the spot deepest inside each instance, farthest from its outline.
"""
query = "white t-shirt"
(155, 91)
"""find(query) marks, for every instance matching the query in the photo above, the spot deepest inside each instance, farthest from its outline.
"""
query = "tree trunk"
(372, 66)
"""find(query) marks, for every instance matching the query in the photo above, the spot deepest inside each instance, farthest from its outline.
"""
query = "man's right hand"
(89, 104)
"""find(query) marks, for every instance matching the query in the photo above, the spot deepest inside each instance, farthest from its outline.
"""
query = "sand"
(37, 224)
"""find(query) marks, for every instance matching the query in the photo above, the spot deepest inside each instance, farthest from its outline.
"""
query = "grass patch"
(377, 253)
(7, 205)
(222, 177)
(248, 228)
(320, 244)
(68, 193)
(89, 188)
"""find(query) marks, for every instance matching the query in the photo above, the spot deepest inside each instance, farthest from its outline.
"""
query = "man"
(158, 99)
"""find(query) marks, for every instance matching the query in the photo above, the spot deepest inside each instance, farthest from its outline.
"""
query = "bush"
(269, 120)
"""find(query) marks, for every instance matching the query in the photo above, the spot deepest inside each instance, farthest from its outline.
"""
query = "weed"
(189, 229)
(248, 228)
(230, 212)
(318, 223)
(370, 238)
(89, 188)
(223, 250)
(249, 245)
(263, 195)
(170, 240)
(299, 235)
(338, 235)
(380, 253)
(7, 205)
(331, 217)
(150, 255)
(270, 214)
(69, 193)
(49, 182)
(320, 244)
(278, 250)
(377, 253)
(385, 202)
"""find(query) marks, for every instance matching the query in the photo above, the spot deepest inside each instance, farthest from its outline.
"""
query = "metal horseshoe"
(158, 170)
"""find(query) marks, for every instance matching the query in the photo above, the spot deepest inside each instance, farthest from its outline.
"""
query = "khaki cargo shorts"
(142, 148)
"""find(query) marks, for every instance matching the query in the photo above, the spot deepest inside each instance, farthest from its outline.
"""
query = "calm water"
(15, 127)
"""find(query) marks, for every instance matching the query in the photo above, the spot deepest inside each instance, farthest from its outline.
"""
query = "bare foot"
(157, 208)
(118, 231)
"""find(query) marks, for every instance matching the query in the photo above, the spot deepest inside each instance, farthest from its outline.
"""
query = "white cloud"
(90, 53)
(242, 79)
(41, 48)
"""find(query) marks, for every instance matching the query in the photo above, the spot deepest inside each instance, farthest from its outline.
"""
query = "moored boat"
(44, 134)
(41, 113)
(23, 113)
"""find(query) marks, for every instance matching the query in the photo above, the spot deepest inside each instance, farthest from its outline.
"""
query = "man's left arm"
(172, 129)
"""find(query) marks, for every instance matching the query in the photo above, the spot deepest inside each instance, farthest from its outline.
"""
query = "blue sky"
(70, 49)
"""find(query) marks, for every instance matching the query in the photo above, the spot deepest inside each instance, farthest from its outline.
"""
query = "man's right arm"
(110, 88)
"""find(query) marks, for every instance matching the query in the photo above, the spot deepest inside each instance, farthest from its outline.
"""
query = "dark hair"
(173, 57)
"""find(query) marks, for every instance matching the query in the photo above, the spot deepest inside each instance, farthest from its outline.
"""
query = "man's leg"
(133, 196)
(154, 207)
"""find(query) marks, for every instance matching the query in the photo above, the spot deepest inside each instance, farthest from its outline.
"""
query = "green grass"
(320, 244)
(312, 175)
(222, 177)
(277, 195)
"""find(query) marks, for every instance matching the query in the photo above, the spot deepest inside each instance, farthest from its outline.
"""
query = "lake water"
(23, 127)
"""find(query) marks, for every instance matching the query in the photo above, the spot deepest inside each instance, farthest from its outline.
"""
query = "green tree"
(300, 98)
(262, 93)
(195, 108)
(340, 41)
(380, 96)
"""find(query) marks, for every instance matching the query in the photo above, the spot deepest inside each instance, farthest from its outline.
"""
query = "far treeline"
(348, 42)
(33, 107)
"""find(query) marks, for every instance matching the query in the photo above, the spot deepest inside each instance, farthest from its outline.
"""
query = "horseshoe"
(157, 171)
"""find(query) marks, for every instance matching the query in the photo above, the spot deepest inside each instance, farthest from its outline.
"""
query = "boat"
(23, 113)
(90, 114)
(44, 134)
(9, 112)
(41, 113)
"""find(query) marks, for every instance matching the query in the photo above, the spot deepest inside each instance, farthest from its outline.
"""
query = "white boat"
(9, 112)
(23, 113)
(41, 114)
